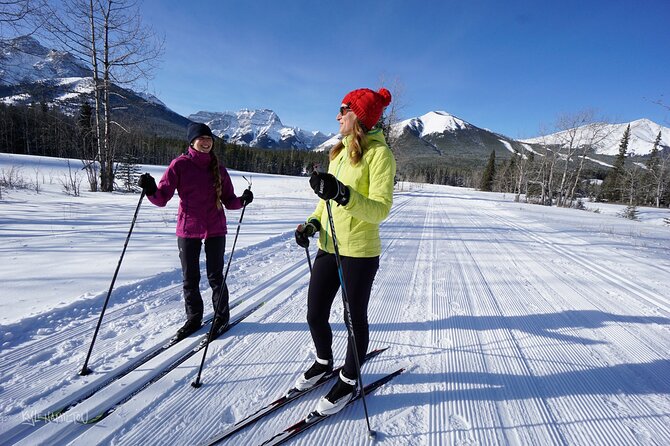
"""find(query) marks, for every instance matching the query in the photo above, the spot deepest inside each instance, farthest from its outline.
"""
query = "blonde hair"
(216, 173)
(357, 144)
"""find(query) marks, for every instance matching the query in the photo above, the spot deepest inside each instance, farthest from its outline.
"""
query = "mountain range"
(643, 134)
(30, 72)
(439, 136)
(259, 128)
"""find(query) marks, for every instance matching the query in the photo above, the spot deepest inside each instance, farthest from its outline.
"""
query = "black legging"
(189, 254)
(359, 273)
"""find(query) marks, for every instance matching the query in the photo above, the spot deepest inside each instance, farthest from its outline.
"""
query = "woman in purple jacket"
(204, 188)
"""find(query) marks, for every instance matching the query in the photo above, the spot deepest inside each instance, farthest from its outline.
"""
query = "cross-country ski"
(291, 395)
(315, 417)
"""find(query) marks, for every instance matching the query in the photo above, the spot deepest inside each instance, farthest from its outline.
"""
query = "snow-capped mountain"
(440, 137)
(30, 62)
(643, 134)
(258, 128)
(32, 73)
(434, 122)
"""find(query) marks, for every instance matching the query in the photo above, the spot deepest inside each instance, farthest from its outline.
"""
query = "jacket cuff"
(315, 222)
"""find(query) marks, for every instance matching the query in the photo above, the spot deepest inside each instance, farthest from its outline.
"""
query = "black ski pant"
(189, 254)
(359, 273)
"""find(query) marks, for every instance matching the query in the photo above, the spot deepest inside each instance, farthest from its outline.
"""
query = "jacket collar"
(372, 135)
(199, 158)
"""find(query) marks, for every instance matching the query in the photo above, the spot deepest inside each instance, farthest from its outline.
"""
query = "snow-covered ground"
(518, 324)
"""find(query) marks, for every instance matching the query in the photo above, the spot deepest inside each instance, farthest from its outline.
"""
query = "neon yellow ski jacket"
(370, 184)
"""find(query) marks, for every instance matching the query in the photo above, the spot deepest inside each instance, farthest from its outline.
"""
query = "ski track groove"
(243, 263)
(652, 346)
(642, 293)
(589, 359)
(516, 361)
(477, 410)
(69, 382)
(158, 405)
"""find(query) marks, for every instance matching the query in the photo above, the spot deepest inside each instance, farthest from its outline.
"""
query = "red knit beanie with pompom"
(367, 104)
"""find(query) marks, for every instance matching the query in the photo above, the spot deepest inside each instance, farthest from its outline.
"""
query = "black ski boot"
(308, 379)
(220, 323)
(338, 397)
(190, 327)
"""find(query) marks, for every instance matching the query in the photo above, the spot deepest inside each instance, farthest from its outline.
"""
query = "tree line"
(559, 174)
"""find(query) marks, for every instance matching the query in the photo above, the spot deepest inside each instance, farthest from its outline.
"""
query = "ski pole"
(85, 370)
(197, 384)
(347, 311)
(309, 260)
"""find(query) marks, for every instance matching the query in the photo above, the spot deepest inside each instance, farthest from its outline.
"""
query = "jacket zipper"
(337, 173)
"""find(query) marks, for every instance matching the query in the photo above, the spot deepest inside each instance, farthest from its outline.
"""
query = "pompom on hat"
(196, 129)
(367, 104)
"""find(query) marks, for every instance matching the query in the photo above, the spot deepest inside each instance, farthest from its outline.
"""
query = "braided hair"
(216, 173)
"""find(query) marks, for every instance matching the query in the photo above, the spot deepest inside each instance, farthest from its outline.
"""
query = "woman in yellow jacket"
(360, 180)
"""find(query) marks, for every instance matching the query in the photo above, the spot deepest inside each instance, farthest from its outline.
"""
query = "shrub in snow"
(630, 213)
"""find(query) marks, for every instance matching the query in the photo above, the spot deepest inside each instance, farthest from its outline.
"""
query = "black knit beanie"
(196, 129)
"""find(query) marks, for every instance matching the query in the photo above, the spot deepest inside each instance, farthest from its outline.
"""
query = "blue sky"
(509, 66)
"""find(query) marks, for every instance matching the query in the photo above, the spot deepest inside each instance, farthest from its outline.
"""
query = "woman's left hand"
(247, 197)
(327, 187)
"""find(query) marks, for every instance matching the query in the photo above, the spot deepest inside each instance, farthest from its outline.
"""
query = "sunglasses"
(344, 110)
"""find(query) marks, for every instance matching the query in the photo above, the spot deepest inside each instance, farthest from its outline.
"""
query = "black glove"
(327, 187)
(304, 232)
(147, 183)
(247, 197)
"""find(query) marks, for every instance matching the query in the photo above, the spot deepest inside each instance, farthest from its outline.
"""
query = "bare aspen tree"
(632, 181)
(525, 157)
(392, 116)
(544, 175)
(392, 113)
(594, 134)
(578, 135)
(14, 15)
(110, 37)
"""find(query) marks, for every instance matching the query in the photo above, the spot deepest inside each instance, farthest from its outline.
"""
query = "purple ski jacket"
(198, 216)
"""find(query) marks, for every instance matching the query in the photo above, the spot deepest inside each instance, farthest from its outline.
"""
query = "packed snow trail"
(521, 325)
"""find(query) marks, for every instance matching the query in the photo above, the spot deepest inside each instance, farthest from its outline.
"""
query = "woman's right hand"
(304, 231)
(148, 184)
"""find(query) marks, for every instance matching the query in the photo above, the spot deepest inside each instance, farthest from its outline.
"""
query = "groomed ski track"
(518, 334)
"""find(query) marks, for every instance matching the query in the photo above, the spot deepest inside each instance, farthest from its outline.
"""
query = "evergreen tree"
(612, 188)
(128, 171)
(653, 175)
(486, 183)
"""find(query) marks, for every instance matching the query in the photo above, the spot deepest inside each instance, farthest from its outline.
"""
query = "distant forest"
(41, 130)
